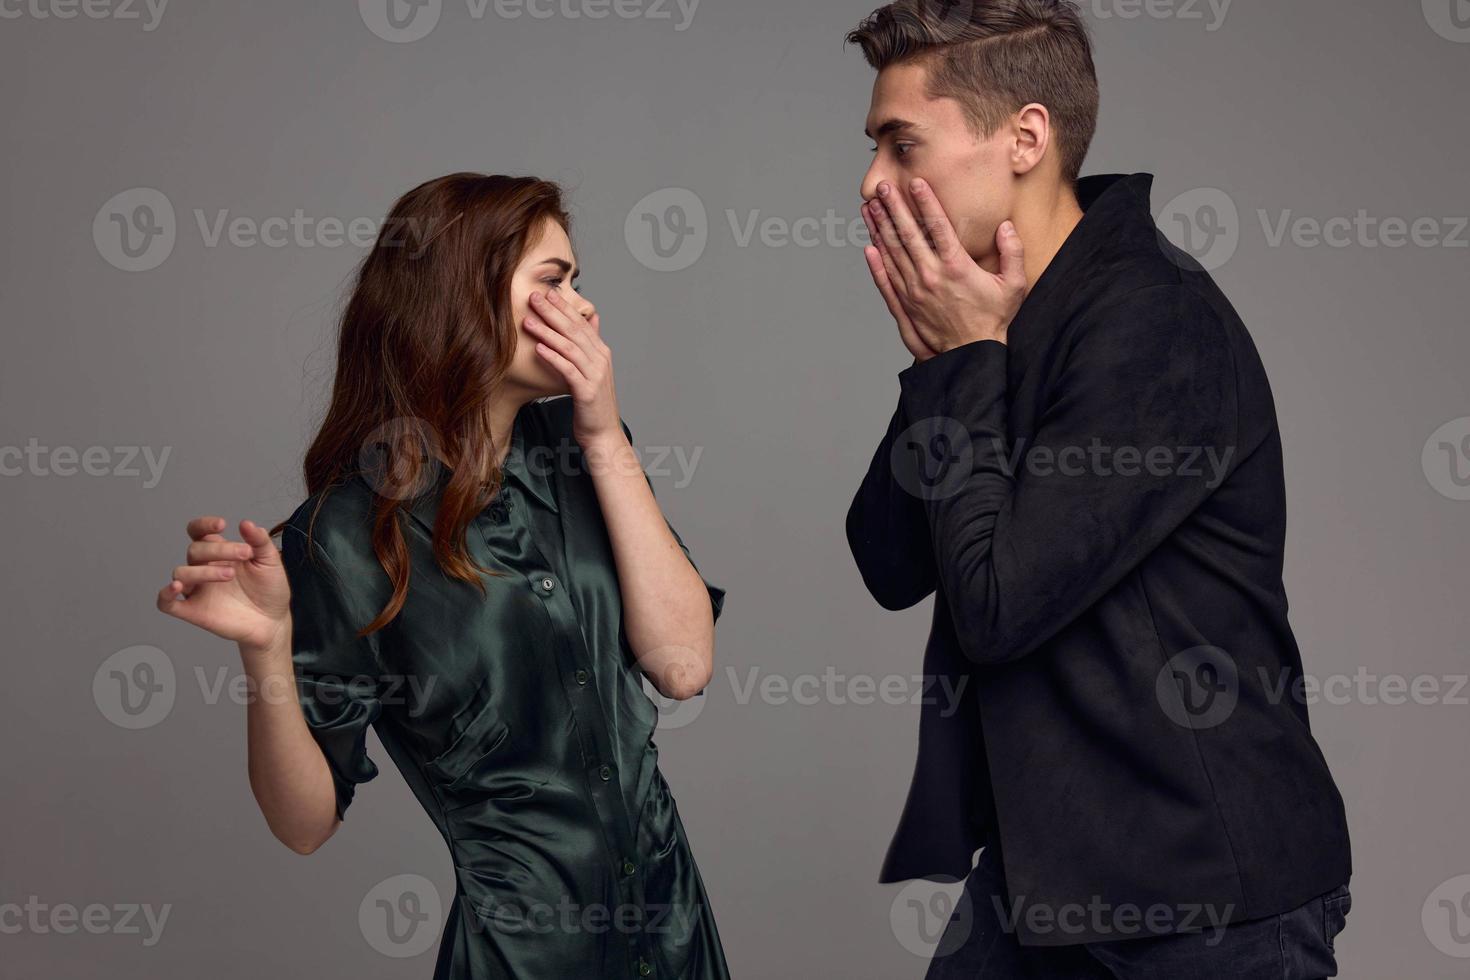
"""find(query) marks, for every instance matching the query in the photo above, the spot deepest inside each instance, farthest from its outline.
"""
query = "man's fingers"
(906, 331)
(910, 235)
(1012, 255)
(936, 222)
(893, 247)
(885, 286)
(875, 232)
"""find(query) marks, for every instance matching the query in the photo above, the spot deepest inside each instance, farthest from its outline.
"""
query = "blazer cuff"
(948, 383)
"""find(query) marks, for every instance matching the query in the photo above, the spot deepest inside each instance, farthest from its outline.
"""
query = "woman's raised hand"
(235, 589)
(573, 345)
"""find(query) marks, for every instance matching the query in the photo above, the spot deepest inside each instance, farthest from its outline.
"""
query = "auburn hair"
(424, 341)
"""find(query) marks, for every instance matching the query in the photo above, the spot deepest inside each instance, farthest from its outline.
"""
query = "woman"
(486, 578)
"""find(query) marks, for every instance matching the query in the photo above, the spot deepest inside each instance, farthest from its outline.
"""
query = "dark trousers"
(980, 944)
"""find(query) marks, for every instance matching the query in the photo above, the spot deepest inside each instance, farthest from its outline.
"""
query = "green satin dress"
(518, 717)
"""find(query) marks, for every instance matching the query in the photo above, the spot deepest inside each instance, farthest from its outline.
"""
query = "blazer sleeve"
(338, 679)
(887, 526)
(1035, 533)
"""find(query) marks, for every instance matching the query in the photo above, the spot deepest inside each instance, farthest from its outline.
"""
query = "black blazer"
(1099, 509)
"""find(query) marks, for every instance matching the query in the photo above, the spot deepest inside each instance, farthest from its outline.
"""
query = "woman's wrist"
(612, 453)
(268, 650)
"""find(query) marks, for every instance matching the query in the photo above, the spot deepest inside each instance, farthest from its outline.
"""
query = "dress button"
(629, 867)
(644, 970)
(547, 584)
(581, 676)
(605, 772)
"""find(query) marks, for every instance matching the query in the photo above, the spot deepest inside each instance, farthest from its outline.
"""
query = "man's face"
(919, 136)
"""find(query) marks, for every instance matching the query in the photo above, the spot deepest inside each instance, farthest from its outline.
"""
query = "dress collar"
(528, 464)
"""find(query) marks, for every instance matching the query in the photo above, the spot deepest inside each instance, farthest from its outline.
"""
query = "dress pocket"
(485, 733)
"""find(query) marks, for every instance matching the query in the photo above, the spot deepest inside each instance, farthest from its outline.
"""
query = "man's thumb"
(1012, 253)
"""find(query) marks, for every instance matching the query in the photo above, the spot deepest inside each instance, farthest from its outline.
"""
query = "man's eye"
(903, 149)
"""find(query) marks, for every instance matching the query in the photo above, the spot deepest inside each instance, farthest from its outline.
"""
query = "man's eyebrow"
(892, 126)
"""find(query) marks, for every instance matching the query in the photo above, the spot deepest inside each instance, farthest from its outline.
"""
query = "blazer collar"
(1116, 223)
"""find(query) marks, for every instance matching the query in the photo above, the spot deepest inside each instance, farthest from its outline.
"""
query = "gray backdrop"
(237, 144)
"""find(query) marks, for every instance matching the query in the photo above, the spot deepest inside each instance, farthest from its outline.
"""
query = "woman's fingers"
(567, 369)
(193, 576)
(559, 342)
(258, 539)
(206, 529)
(169, 603)
(555, 310)
(203, 552)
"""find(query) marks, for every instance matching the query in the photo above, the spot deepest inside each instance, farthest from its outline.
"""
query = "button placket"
(606, 789)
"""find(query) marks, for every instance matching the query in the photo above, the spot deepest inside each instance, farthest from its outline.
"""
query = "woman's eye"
(555, 283)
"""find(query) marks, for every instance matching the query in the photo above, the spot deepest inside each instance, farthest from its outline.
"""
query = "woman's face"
(548, 266)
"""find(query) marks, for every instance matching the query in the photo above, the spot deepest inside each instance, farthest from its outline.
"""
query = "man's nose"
(871, 180)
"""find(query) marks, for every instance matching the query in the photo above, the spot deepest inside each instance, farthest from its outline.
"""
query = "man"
(1085, 469)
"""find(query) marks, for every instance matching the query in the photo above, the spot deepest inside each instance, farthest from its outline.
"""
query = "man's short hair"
(993, 57)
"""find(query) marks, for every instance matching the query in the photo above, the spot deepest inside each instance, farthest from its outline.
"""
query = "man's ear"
(1031, 132)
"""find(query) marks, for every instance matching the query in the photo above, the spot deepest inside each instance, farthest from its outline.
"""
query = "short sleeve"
(716, 594)
(337, 676)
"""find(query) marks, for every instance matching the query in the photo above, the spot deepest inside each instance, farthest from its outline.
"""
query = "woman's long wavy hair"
(424, 343)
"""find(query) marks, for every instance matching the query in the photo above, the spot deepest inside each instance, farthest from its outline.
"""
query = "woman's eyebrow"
(564, 266)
